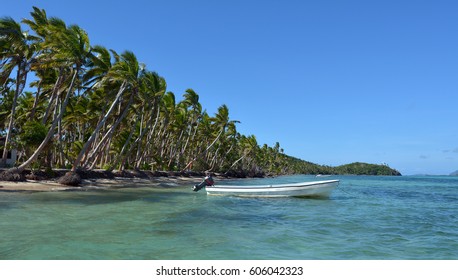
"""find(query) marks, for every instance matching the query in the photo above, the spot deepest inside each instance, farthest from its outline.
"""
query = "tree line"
(90, 107)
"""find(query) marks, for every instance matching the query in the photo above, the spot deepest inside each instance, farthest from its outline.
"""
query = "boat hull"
(304, 189)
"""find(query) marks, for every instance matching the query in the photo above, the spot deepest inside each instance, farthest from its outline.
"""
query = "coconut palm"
(191, 99)
(152, 89)
(6, 99)
(248, 147)
(221, 121)
(16, 52)
(66, 48)
(100, 92)
(127, 71)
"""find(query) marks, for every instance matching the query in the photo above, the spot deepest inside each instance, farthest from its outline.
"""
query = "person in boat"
(208, 181)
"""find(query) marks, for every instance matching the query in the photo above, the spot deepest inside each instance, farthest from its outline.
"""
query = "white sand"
(31, 185)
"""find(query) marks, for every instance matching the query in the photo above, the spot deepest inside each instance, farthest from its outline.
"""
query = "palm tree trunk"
(51, 130)
(13, 112)
(53, 96)
(149, 136)
(35, 103)
(78, 159)
(213, 143)
(60, 150)
(121, 154)
(109, 134)
(235, 162)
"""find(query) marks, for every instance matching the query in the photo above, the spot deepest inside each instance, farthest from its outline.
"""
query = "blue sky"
(333, 82)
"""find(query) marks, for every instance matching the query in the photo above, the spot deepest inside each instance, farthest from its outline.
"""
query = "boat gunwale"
(271, 187)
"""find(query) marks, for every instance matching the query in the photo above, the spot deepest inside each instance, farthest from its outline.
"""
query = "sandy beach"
(32, 186)
(50, 185)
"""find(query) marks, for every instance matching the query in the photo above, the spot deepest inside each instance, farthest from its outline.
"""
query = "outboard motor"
(208, 181)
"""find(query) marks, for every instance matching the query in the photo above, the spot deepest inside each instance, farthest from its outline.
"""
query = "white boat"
(303, 189)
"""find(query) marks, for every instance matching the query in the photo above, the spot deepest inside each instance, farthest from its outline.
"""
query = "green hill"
(297, 166)
(360, 168)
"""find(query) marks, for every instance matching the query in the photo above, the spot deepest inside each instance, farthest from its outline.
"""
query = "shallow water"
(365, 218)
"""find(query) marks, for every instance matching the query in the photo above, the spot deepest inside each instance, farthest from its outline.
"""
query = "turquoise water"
(365, 218)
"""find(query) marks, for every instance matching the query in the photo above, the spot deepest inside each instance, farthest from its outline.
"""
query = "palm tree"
(66, 48)
(127, 71)
(6, 99)
(178, 129)
(45, 83)
(100, 92)
(152, 89)
(168, 107)
(246, 145)
(232, 138)
(191, 99)
(221, 120)
(16, 51)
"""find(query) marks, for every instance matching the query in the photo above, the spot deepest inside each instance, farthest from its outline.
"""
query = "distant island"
(454, 173)
(89, 107)
(298, 166)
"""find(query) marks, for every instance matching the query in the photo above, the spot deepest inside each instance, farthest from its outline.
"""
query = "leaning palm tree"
(168, 107)
(221, 120)
(101, 92)
(191, 99)
(152, 89)
(247, 145)
(16, 52)
(127, 71)
(67, 49)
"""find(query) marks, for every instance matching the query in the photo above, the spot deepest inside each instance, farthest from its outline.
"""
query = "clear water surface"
(366, 217)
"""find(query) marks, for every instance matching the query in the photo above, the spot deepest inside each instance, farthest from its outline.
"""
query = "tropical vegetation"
(65, 103)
